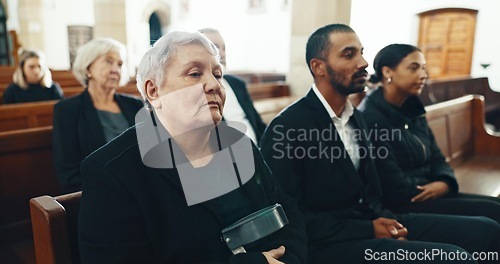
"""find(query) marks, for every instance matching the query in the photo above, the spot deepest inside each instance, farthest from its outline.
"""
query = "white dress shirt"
(344, 129)
(234, 112)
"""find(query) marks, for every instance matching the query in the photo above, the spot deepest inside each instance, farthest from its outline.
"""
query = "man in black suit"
(319, 149)
(239, 105)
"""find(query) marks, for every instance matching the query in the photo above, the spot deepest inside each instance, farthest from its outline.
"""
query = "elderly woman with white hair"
(85, 122)
(181, 186)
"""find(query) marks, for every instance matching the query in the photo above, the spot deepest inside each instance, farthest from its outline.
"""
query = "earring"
(89, 76)
(389, 80)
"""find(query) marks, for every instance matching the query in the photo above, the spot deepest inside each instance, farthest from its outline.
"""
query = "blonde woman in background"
(32, 80)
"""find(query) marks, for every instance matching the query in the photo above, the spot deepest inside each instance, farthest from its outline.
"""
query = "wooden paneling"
(472, 151)
(446, 37)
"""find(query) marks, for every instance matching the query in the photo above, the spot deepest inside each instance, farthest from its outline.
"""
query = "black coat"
(34, 93)
(414, 157)
(136, 214)
(241, 92)
(78, 132)
(338, 202)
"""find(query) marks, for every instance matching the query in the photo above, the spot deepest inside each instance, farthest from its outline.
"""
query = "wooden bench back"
(54, 222)
(451, 123)
(268, 90)
(63, 77)
(446, 89)
(270, 107)
(26, 171)
(259, 77)
(459, 128)
(26, 115)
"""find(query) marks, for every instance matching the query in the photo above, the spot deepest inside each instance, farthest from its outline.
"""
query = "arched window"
(154, 28)
(4, 41)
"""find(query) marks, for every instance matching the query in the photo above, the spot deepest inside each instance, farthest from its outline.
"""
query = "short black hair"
(319, 42)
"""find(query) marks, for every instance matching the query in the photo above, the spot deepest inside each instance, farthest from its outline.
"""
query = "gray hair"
(20, 79)
(92, 50)
(154, 63)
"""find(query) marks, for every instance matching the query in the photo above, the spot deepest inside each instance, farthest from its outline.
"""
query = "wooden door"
(446, 36)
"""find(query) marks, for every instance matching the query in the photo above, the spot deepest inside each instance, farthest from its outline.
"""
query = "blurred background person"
(239, 105)
(32, 80)
(87, 121)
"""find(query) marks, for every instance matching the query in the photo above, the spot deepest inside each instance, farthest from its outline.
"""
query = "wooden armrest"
(50, 230)
(487, 142)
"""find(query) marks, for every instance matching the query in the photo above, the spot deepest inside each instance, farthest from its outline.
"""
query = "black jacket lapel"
(325, 123)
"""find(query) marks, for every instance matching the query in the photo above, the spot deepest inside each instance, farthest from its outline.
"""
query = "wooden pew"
(64, 78)
(26, 171)
(270, 107)
(260, 85)
(54, 221)
(268, 90)
(259, 77)
(471, 149)
(26, 115)
(256, 90)
(446, 89)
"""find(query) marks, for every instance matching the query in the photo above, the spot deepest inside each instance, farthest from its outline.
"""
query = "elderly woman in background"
(415, 176)
(32, 80)
(164, 197)
(85, 122)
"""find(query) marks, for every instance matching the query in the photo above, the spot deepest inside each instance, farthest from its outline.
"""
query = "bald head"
(214, 36)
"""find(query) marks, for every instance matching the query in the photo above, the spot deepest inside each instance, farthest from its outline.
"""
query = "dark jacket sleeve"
(292, 236)
(106, 211)
(57, 92)
(440, 168)
(398, 186)
(8, 95)
(110, 228)
(322, 227)
(66, 147)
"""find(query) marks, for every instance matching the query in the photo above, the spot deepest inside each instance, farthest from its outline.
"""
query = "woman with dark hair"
(32, 80)
(414, 175)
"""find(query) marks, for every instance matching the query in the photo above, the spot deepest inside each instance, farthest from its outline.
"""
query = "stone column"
(31, 24)
(307, 16)
(110, 20)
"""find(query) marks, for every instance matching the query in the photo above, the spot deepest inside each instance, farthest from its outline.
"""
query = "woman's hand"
(389, 228)
(431, 190)
(272, 256)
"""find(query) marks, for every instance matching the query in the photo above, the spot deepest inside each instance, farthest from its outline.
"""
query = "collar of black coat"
(411, 109)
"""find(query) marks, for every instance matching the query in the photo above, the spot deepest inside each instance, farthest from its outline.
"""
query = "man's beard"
(336, 81)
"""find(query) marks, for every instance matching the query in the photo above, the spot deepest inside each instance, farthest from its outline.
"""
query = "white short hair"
(92, 50)
(154, 63)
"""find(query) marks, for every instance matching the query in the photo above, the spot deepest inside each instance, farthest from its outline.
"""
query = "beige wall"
(307, 16)
(110, 19)
(31, 22)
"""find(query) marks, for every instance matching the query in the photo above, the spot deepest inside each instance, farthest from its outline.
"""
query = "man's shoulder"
(298, 110)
